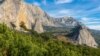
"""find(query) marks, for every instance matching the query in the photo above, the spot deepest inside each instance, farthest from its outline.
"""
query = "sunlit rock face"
(38, 26)
(8, 11)
(15, 13)
(86, 38)
(83, 36)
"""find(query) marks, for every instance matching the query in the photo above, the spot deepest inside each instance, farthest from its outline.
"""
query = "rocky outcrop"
(38, 26)
(81, 35)
(86, 38)
(17, 12)
(65, 21)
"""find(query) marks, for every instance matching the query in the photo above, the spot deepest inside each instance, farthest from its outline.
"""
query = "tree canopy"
(14, 43)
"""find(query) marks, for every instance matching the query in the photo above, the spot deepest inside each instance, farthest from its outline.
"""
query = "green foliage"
(13, 43)
(3, 28)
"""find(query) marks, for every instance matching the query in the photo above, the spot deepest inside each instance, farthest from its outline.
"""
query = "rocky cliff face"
(83, 36)
(86, 38)
(16, 13)
(38, 26)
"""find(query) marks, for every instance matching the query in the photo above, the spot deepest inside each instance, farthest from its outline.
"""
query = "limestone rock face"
(86, 38)
(38, 26)
(83, 36)
(17, 12)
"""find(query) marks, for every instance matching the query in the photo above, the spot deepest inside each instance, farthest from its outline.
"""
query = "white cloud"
(36, 3)
(85, 19)
(64, 12)
(94, 22)
(78, 13)
(63, 1)
(85, 13)
(90, 21)
(96, 19)
(96, 27)
(61, 13)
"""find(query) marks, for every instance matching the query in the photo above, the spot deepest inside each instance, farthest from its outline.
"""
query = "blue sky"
(86, 11)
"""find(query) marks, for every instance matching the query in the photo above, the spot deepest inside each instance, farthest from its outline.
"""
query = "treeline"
(13, 43)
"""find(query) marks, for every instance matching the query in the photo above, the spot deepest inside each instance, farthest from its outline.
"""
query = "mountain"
(21, 16)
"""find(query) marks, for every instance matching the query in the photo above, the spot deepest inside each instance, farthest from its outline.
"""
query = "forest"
(14, 43)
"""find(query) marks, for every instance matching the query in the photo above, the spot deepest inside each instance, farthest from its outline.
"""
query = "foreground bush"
(13, 43)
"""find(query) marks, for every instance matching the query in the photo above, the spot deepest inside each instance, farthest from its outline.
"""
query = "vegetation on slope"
(13, 43)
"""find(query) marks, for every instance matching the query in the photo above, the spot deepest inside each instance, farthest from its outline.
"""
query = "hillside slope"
(15, 43)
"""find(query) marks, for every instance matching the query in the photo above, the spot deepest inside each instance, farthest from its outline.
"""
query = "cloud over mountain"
(63, 1)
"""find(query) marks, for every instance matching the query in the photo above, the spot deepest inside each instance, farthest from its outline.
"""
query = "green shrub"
(14, 43)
